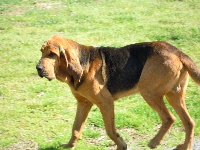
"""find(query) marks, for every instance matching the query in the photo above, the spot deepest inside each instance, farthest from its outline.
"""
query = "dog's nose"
(39, 67)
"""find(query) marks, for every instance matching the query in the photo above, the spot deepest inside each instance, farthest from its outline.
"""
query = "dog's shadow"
(51, 148)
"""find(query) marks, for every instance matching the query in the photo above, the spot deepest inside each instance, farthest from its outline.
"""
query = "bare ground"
(131, 137)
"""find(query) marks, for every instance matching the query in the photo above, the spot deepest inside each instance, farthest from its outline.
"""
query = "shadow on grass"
(50, 148)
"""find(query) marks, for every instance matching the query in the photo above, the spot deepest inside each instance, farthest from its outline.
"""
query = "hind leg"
(156, 103)
(177, 101)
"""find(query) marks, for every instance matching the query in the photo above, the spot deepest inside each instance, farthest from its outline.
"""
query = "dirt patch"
(23, 145)
(20, 10)
(48, 6)
(17, 11)
(130, 136)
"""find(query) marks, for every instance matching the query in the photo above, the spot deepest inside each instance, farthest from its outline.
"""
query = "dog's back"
(124, 65)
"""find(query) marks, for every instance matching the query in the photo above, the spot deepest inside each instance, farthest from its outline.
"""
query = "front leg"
(106, 106)
(83, 108)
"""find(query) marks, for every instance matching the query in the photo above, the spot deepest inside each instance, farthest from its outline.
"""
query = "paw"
(153, 144)
(123, 148)
(123, 145)
(67, 146)
(182, 147)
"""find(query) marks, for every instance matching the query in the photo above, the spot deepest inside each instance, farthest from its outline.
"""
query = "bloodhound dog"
(101, 75)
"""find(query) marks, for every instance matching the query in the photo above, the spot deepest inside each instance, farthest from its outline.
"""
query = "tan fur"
(165, 73)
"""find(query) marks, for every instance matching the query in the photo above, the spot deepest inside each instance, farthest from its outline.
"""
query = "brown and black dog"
(100, 75)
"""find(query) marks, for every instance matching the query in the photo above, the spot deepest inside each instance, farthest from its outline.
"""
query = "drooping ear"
(63, 56)
(73, 64)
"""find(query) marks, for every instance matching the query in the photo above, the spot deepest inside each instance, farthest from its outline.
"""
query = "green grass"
(34, 109)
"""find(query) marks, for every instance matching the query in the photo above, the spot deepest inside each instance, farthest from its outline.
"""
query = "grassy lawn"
(34, 109)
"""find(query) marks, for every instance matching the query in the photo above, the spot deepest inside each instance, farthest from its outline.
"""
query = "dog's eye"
(51, 54)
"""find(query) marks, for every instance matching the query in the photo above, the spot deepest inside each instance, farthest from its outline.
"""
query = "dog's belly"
(125, 93)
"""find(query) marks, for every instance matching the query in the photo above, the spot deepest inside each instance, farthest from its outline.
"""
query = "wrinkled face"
(60, 60)
(48, 64)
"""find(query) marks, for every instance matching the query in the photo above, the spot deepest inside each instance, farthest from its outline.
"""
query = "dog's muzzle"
(40, 69)
(41, 72)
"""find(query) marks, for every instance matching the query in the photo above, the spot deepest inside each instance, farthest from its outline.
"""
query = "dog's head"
(59, 60)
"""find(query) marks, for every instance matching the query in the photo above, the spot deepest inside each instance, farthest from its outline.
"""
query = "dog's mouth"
(44, 74)
(49, 78)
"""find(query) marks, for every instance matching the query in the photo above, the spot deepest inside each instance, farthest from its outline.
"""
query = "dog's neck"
(86, 55)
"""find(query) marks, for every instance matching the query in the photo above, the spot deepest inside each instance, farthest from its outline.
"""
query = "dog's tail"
(191, 67)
